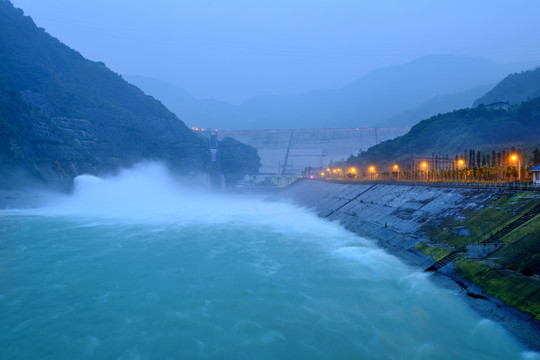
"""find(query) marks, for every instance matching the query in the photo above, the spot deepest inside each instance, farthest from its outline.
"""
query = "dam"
(291, 151)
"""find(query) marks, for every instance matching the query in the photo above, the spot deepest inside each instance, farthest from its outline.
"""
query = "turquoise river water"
(136, 267)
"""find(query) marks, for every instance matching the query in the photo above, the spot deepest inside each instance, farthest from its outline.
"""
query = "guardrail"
(501, 186)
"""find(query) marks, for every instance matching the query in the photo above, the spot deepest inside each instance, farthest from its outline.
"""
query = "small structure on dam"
(289, 152)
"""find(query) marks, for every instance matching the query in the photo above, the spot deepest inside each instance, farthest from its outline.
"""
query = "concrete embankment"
(482, 243)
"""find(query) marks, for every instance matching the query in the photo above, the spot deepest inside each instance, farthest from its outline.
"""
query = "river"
(137, 267)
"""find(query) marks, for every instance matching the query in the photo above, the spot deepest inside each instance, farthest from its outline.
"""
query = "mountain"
(437, 105)
(197, 113)
(514, 89)
(379, 96)
(62, 115)
(450, 133)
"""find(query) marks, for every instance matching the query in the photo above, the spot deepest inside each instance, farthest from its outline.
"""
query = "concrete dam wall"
(299, 148)
(482, 243)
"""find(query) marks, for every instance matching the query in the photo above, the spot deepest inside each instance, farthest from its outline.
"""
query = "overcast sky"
(235, 49)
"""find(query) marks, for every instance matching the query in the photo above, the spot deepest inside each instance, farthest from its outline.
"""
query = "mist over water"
(138, 267)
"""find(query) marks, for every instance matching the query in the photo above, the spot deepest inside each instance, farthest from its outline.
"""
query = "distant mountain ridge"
(378, 97)
(514, 89)
(481, 127)
(437, 105)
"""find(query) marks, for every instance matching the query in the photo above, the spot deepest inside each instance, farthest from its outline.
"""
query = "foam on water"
(136, 267)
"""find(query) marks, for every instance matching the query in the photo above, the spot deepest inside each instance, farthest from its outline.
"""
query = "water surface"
(136, 267)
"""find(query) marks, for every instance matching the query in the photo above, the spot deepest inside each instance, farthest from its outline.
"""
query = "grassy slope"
(511, 272)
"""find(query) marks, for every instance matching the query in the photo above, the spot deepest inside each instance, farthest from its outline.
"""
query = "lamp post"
(352, 172)
(515, 158)
(461, 164)
(396, 169)
(372, 172)
(425, 167)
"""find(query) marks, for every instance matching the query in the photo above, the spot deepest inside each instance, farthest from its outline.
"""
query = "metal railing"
(500, 186)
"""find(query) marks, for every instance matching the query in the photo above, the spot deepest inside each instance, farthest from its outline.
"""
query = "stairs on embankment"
(494, 238)
(444, 261)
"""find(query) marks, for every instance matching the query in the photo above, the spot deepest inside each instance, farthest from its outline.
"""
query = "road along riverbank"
(482, 243)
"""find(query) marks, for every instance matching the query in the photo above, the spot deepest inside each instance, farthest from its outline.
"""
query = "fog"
(137, 266)
(149, 192)
(238, 49)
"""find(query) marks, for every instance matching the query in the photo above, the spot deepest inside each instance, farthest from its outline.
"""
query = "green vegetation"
(480, 224)
(450, 133)
(63, 115)
(520, 250)
(436, 252)
(514, 89)
(238, 159)
(515, 289)
(510, 273)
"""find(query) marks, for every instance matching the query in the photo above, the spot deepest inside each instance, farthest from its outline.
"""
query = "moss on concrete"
(510, 273)
(515, 289)
(476, 225)
(521, 248)
(436, 252)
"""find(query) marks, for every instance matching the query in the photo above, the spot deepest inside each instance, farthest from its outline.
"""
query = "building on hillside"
(536, 174)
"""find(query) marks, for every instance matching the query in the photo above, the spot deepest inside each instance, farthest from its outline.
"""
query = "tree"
(536, 157)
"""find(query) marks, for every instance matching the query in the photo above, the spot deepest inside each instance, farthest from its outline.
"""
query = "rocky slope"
(63, 115)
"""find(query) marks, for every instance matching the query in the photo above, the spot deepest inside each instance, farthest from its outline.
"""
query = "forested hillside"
(62, 115)
(451, 133)
(514, 89)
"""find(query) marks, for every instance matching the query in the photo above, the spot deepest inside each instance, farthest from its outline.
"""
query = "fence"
(501, 186)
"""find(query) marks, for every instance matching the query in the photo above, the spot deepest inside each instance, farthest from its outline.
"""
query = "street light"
(461, 164)
(425, 168)
(372, 172)
(396, 169)
(515, 158)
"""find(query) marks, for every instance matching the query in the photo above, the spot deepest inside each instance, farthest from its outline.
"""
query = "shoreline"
(521, 326)
(514, 321)
(343, 202)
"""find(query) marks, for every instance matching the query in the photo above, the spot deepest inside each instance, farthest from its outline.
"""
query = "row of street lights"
(424, 166)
